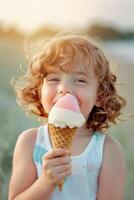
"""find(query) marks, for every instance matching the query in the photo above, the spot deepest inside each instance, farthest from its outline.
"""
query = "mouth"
(55, 101)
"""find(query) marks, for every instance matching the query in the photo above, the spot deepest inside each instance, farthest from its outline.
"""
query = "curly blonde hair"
(65, 52)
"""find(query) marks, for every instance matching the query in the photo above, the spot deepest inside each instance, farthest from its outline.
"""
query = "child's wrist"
(50, 185)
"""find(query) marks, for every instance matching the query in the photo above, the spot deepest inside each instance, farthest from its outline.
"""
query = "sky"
(31, 14)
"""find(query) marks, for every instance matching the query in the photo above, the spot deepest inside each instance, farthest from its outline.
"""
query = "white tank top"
(83, 183)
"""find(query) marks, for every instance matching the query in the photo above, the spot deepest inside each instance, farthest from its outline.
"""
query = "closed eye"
(80, 81)
(53, 80)
(83, 81)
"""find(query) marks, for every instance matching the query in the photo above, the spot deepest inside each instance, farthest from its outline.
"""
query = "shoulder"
(26, 141)
(28, 136)
(113, 157)
(112, 148)
(113, 171)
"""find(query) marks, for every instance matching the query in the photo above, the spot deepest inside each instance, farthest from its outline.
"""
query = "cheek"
(47, 98)
(87, 100)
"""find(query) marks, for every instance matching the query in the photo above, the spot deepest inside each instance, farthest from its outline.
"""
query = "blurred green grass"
(13, 120)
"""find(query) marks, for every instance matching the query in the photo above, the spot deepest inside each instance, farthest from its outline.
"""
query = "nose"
(65, 87)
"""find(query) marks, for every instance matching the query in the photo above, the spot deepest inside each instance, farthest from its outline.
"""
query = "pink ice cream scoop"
(66, 112)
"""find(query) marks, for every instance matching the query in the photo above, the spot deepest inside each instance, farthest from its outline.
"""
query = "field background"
(13, 119)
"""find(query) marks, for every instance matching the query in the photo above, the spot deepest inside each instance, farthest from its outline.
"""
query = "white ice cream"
(63, 117)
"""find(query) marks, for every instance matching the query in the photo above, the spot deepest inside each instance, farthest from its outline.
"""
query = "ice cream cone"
(63, 120)
(61, 138)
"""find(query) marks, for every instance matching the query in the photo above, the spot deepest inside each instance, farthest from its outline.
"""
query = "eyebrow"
(82, 73)
(53, 71)
(79, 73)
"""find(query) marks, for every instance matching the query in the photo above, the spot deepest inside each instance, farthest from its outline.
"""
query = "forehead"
(67, 65)
(69, 56)
(78, 68)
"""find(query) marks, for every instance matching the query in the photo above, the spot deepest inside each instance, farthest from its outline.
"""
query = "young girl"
(94, 166)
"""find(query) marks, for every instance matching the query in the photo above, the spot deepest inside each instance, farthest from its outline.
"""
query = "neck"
(83, 131)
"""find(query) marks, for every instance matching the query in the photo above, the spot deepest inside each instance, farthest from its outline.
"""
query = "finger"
(59, 169)
(55, 153)
(68, 152)
(63, 168)
(60, 161)
(64, 174)
(59, 172)
(56, 162)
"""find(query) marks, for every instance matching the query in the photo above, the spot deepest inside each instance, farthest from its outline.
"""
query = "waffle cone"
(61, 138)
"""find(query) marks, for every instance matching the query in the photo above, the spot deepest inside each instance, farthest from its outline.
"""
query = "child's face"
(78, 81)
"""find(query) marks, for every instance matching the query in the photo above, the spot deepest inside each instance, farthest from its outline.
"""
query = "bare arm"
(24, 184)
(112, 175)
